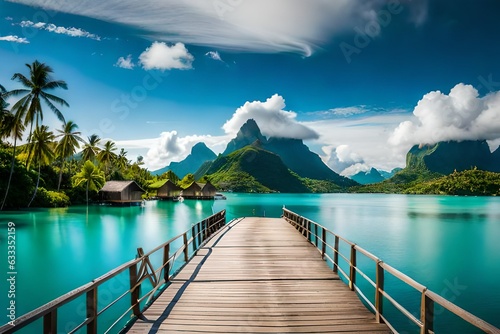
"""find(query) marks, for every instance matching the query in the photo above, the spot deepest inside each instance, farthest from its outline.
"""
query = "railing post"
(352, 271)
(166, 264)
(92, 311)
(50, 323)
(193, 235)
(199, 233)
(205, 229)
(186, 250)
(316, 235)
(379, 288)
(308, 232)
(134, 291)
(336, 255)
(426, 314)
(323, 242)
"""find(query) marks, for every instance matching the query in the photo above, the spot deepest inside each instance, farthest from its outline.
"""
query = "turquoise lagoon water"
(449, 244)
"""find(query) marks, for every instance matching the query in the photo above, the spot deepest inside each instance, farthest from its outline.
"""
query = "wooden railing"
(318, 235)
(140, 271)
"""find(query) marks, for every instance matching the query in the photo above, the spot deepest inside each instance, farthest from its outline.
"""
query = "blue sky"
(359, 81)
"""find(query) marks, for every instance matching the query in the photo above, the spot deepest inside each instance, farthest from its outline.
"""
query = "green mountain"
(200, 154)
(388, 175)
(372, 176)
(252, 169)
(293, 152)
(446, 157)
(248, 134)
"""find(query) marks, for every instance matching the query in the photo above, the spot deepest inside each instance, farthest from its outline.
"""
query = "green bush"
(50, 199)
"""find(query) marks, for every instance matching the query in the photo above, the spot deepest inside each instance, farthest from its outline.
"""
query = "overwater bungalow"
(169, 190)
(199, 191)
(121, 193)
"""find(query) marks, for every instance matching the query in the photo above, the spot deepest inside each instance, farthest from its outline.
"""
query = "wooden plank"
(261, 276)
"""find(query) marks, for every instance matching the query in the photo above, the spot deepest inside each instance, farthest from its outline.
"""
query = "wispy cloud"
(161, 56)
(8, 18)
(14, 39)
(257, 26)
(71, 31)
(126, 63)
(214, 55)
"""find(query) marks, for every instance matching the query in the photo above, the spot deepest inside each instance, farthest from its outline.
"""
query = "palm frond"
(55, 84)
(52, 107)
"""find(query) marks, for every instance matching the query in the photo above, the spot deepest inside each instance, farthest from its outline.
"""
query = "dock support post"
(134, 291)
(166, 264)
(186, 249)
(379, 288)
(323, 242)
(92, 311)
(50, 323)
(336, 255)
(352, 271)
(426, 314)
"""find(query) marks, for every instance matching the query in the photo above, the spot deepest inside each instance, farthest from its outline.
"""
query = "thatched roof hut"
(199, 191)
(168, 190)
(121, 192)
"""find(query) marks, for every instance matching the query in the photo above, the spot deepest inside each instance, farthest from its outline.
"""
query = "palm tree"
(107, 155)
(41, 144)
(122, 161)
(68, 144)
(12, 127)
(90, 149)
(29, 107)
(92, 176)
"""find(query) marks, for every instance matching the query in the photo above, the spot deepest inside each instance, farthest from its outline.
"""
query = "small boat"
(219, 196)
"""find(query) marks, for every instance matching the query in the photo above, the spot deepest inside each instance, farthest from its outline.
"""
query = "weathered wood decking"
(258, 275)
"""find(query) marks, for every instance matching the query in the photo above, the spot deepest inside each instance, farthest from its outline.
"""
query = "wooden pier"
(251, 275)
(258, 275)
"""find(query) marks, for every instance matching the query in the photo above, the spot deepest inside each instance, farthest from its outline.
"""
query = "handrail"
(310, 229)
(140, 270)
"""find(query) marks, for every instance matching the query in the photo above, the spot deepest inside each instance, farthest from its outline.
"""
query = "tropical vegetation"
(52, 167)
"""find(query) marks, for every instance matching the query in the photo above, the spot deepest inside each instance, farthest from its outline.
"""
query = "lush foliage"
(470, 182)
(52, 168)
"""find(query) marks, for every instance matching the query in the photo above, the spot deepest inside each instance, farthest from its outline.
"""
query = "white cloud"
(163, 57)
(366, 136)
(272, 119)
(460, 115)
(214, 55)
(8, 18)
(125, 62)
(343, 160)
(14, 39)
(169, 146)
(257, 26)
(71, 31)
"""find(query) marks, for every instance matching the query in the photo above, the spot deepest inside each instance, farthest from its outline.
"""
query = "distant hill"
(297, 156)
(388, 175)
(372, 176)
(252, 169)
(200, 154)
